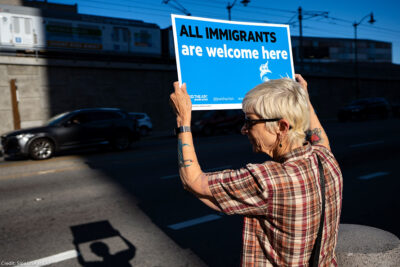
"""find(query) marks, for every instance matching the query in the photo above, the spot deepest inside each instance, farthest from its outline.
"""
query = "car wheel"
(41, 148)
(144, 131)
(122, 141)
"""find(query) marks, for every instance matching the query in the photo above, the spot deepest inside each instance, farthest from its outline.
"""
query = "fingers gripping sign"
(181, 104)
(301, 81)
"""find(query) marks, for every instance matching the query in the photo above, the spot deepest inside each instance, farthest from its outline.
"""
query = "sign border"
(178, 65)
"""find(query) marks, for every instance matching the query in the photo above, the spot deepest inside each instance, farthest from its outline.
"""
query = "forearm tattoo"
(182, 162)
(314, 136)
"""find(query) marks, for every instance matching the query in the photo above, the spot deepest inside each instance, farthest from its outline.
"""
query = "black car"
(365, 108)
(217, 121)
(396, 110)
(75, 129)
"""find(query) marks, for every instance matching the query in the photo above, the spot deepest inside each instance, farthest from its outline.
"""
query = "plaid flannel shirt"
(281, 202)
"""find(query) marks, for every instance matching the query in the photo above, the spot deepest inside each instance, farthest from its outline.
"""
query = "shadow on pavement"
(94, 232)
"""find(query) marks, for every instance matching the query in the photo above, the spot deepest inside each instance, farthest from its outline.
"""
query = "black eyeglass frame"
(250, 123)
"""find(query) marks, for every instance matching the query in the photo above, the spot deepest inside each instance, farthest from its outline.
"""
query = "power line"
(130, 6)
(275, 9)
(138, 7)
(225, 2)
(362, 25)
(376, 30)
(126, 11)
(380, 28)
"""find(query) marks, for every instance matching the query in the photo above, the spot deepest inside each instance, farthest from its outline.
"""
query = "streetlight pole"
(355, 25)
(303, 15)
(301, 37)
(229, 6)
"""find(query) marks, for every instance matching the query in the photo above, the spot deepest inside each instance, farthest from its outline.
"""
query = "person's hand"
(301, 81)
(181, 104)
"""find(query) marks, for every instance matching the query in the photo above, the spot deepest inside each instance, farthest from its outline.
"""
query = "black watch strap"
(182, 129)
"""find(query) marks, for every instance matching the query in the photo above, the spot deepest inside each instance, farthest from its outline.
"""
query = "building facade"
(316, 49)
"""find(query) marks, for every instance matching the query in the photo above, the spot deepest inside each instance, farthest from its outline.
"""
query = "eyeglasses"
(249, 123)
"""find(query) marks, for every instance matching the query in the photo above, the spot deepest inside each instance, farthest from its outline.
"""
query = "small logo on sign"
(264, 70)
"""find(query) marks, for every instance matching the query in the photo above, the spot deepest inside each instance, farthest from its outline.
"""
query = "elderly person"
(280, 199)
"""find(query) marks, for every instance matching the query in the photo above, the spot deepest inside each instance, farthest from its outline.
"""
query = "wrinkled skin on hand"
(181, 104)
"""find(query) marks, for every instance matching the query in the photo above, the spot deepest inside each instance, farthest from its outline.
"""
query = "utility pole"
(355, 25)
(303, 15)
(301, 37)
(356, 61)
(230, 6)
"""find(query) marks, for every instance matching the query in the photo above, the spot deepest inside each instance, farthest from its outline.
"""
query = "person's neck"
(279, 152)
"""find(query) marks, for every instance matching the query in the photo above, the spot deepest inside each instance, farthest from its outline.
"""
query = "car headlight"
(24, 136)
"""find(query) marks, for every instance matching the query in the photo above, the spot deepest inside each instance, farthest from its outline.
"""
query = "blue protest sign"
(222, 60)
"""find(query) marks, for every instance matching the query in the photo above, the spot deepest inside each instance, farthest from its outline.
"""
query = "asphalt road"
(134, 205)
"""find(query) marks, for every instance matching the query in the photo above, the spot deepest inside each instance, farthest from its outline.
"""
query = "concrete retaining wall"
(46, 88)
(364, 246)
(49, 86)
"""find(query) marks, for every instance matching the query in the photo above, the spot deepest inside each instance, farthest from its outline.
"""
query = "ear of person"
(283, 126)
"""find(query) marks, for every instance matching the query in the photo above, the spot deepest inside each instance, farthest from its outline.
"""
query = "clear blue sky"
(342, 14)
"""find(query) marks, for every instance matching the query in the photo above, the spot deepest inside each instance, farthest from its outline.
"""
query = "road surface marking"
(367, 144)
(70, 254)
(209, 170)
(373, 175)
(192, 222)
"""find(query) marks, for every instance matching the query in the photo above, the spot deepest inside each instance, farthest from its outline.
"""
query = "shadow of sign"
(99, 244)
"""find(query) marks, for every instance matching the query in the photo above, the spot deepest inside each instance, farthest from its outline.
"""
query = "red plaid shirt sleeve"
(240, 191)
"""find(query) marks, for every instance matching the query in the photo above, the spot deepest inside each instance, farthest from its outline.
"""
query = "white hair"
(282, 98)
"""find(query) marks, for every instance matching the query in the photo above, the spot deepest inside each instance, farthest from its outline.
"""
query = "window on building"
(125, 34)
(56, 28)
(115, 35)
(120, 34)
(16, 25)
(27, 26)
(89, 32)
(316, 52)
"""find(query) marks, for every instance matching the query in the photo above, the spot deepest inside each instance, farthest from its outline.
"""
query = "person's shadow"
(98, 230)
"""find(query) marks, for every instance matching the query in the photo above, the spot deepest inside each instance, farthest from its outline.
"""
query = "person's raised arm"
(316, 135)
(193, 178)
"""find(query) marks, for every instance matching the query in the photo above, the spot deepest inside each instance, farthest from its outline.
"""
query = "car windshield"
(57, 118)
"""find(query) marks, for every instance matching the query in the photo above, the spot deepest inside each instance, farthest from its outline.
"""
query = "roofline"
(338, 38)
(58, 14)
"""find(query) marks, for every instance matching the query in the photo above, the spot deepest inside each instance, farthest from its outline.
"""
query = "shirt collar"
(297, 153)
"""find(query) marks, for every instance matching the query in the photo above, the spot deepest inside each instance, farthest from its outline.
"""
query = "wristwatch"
(182, 129)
